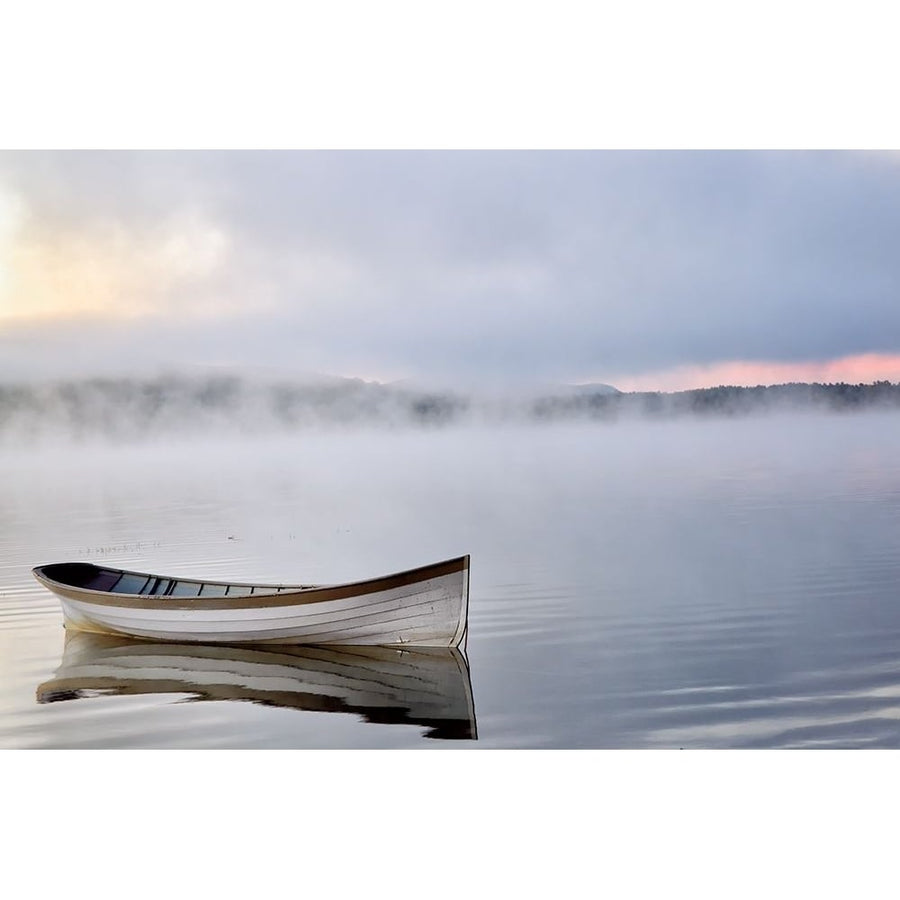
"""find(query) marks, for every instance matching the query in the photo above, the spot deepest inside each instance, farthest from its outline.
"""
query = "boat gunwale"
(287, 595)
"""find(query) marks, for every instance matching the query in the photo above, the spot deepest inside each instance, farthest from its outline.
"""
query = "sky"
(648, 270)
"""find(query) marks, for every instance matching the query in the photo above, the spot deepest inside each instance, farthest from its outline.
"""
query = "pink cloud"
(862, 369)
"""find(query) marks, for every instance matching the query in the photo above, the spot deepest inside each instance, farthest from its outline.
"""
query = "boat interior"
(117, 581)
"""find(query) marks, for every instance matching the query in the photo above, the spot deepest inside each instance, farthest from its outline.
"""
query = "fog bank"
(232, 405)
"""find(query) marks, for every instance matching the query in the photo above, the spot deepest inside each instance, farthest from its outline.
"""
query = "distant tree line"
(137, 409)
(722, 401)
(134, 408)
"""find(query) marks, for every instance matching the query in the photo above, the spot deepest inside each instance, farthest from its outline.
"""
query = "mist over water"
(722, 582)
(235, 403)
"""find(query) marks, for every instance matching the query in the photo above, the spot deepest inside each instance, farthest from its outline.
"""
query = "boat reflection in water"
(429, 687)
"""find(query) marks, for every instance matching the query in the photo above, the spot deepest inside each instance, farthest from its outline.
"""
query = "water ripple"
(660, 587)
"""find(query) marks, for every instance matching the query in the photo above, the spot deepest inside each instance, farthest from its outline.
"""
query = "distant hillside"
(721, 401)
(132, 408)
(144, 409)
(595, 388)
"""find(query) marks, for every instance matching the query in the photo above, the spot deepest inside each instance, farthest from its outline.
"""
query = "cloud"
(863, 369)
(562, 265)
(112, 270)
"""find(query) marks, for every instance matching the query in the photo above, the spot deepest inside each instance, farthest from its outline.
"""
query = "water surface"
(723, 583)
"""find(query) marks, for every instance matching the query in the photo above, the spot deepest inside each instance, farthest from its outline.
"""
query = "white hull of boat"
(424, 608)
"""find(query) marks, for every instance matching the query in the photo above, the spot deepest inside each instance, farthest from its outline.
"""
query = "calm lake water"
(728, 583)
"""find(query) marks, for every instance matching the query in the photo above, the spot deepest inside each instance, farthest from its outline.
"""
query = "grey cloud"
(512, 264)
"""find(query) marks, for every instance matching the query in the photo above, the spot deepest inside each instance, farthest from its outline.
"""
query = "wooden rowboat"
(428, 687)
(424, 607)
